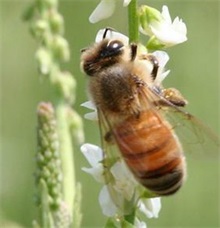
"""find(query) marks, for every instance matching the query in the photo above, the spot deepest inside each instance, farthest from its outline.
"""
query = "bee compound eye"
(113, 48)
(115, 45)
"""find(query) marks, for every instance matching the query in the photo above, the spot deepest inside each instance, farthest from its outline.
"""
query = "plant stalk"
(133, 22)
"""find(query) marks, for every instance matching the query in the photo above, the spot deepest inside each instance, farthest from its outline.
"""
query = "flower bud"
(56, 22)
(44, 60)
(40, 28)
(60, 48)
(147, 16)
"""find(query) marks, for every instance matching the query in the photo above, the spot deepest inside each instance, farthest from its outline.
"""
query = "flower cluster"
(124, 187)
(157, 25)
(121, 194)
(161, 29)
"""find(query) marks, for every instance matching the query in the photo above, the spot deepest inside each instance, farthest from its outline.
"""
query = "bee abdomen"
(153, 153)
(165, 180)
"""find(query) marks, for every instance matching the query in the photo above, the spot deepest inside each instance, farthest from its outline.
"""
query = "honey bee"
(122, 86)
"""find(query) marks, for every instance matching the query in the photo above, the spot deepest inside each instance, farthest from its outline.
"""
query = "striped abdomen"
(152, 152)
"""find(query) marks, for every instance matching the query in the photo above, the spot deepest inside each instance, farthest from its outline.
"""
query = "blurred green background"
(194, 71)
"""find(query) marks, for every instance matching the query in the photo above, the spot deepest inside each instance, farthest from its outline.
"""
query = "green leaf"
(154, 44)
(111, 223)
(126, 224)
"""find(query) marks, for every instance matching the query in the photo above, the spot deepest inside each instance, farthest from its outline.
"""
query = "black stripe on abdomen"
(165, 180)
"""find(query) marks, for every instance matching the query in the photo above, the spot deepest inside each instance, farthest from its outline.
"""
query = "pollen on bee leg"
(174, 96)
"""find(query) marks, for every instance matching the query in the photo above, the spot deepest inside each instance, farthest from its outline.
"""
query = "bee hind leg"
(174, 96)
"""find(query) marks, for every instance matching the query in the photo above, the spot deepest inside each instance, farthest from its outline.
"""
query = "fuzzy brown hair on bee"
(116, 75)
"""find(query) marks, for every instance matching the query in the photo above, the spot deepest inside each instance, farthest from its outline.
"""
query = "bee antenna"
(133, 51)
(105, 32)
(83, 50)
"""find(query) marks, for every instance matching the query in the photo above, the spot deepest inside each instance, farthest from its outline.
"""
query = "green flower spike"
(49, 171)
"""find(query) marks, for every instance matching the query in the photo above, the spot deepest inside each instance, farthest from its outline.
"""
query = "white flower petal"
(89, 105)
(92, 153)
(166, 14)
(150, 207)
(94, 156)
(160, 77)
(124, 180)
(139, 224)
(111, 34)
(126, 2)
(169, 33)
(90, 115)
(96, 172)
(108, 207)
(162, 57)
(104, 10)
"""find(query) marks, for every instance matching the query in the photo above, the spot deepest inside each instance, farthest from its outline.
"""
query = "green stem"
(133, 22)
(66, 155)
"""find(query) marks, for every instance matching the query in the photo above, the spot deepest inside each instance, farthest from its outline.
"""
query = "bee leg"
(154, 61)
(133, 51)
(174, 96)
(155, 64)
(109, 138)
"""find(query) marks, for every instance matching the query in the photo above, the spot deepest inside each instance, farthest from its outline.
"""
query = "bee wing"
(194, 135)
(192, 132)
(112, 155)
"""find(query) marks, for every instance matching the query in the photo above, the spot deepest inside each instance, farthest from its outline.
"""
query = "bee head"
(101, 55)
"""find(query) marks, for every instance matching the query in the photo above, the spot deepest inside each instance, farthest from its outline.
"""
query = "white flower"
(118, 187)
(91, 115)
(122, 188)
(108, 207)
(139, 224)
(124, 180)
(150, 207)
(104, 10)
(161, 28)
(94, 156)
(168, 32)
